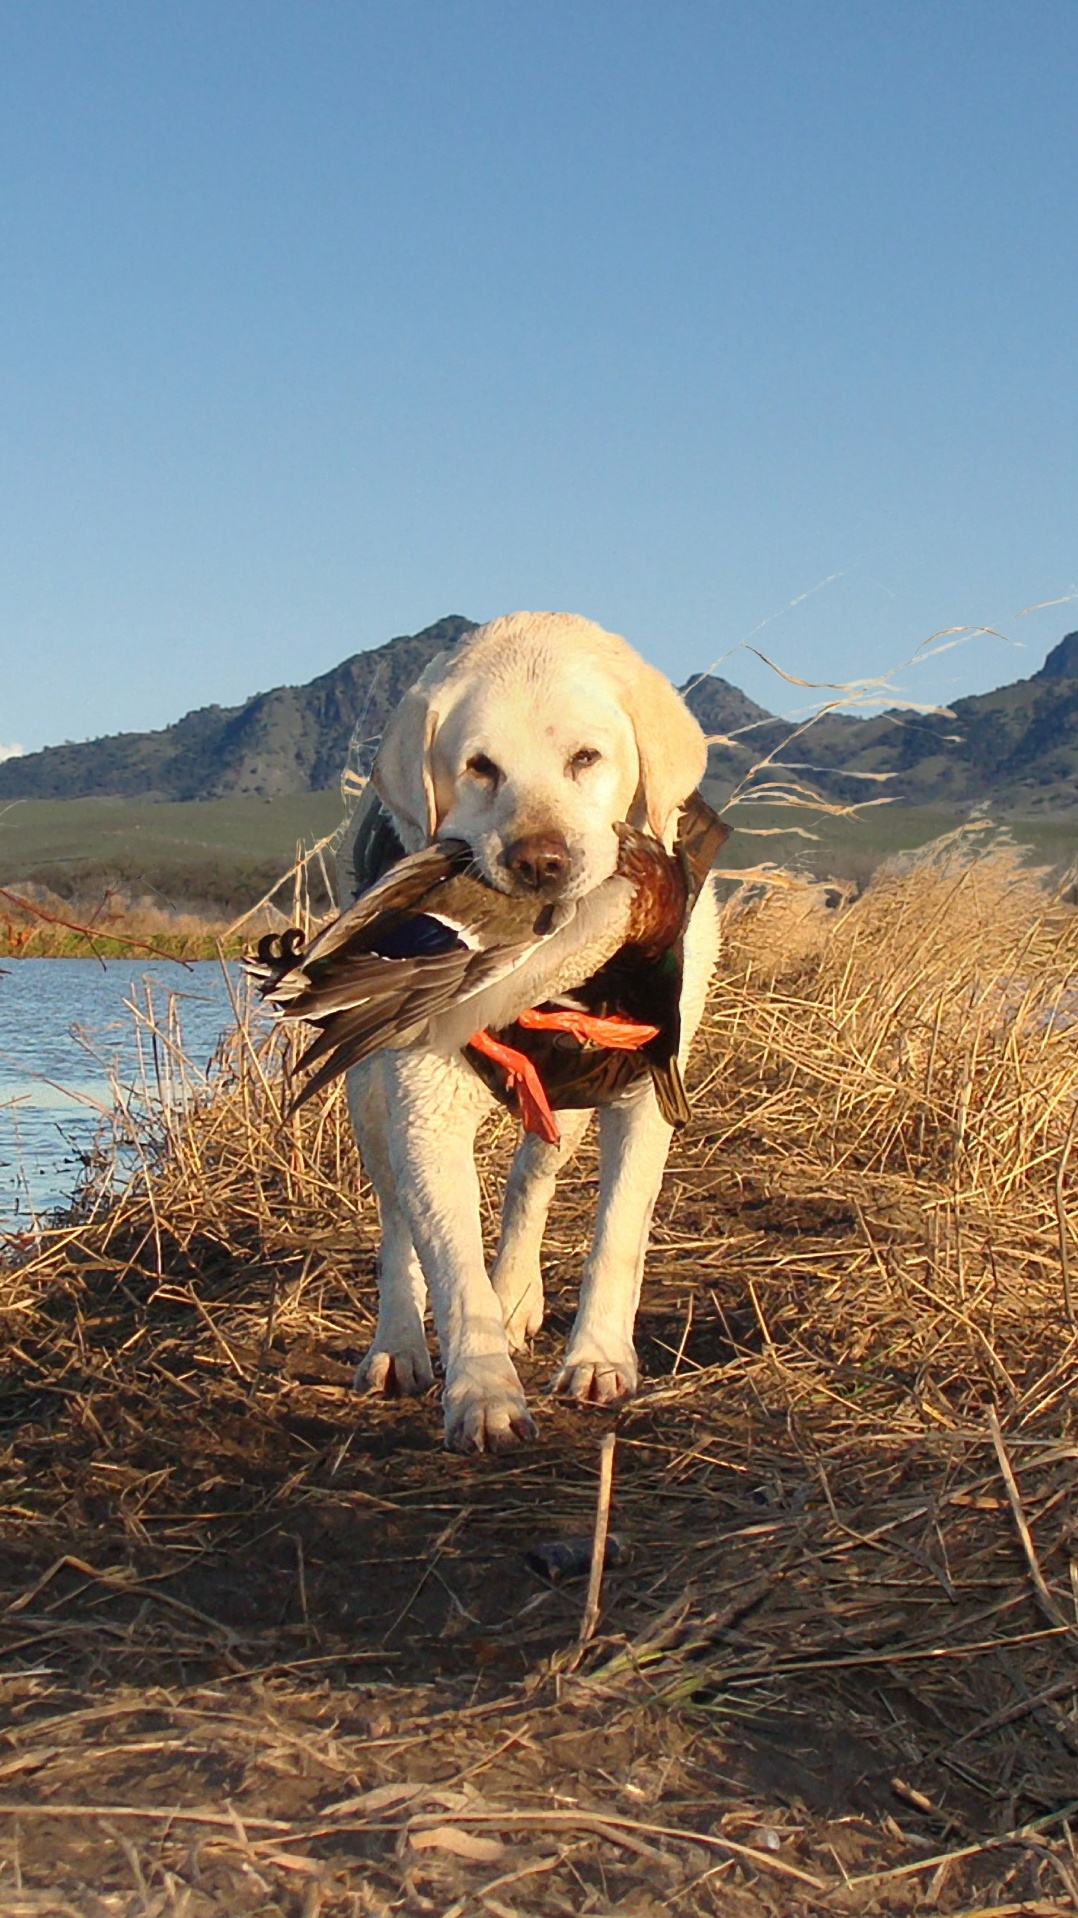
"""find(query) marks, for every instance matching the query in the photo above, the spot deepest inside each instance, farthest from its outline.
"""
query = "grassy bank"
(117, 878)
(849, 849)
(110, 934)
(212, 857)
(270, 1649)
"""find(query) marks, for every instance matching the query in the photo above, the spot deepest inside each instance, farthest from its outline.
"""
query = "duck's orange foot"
(522, 1079)
(615, 1033)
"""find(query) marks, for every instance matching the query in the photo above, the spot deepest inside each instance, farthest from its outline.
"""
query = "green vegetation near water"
(850, 849)
(213, 859)
(211, 856)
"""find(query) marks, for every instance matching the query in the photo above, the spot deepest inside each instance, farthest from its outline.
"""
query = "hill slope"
(1015, 749)
(291, 740)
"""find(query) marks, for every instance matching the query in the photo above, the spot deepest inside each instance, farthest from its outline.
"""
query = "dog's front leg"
(434, 1107)
(397, 1363)
(600, 1362)
(517, 1277)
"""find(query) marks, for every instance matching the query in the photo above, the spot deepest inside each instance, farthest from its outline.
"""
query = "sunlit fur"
(533, 733)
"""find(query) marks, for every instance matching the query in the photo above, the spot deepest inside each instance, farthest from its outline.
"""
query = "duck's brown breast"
(657, 915)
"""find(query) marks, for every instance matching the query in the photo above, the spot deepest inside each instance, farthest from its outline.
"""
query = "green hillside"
(850, 849)
(213, 855)
(219, 855)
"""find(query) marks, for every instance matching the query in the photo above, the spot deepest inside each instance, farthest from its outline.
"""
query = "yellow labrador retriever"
(529, 741)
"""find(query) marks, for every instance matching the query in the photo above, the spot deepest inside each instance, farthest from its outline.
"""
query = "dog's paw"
(597, 1375)
(403, 1372)
(485, 1408)
(521, 1301)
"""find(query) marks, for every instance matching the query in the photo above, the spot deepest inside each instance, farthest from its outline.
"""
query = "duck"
(623, 1023)
(402, 965)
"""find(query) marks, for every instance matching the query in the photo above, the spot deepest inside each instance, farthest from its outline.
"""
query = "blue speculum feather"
(420, 937)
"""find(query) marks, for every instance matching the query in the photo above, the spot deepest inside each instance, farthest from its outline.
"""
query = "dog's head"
(529, 743)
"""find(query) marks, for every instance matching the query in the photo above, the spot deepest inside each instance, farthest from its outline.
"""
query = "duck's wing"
(399, 893)
(282, 964)
(439, 969)
(389, 1003)
(447, 943)
(379, 977)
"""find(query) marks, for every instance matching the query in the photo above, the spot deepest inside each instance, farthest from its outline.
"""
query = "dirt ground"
(265, 1648)
(268, 1649)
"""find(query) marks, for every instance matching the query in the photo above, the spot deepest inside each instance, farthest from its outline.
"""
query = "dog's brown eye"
(483, 768)
(587, 756)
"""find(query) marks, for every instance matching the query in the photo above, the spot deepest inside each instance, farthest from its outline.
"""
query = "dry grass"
(270, 1650)
(36, 924)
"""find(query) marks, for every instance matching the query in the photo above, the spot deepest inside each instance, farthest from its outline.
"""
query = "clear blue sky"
(321, 319)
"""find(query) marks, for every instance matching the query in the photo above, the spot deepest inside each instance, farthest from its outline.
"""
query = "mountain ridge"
(290, 739)
(1016, 746)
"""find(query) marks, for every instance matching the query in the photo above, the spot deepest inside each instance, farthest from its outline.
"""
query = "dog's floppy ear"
(670, 743)
(402, 774)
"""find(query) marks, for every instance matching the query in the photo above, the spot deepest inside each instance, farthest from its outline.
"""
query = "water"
(66, 1040)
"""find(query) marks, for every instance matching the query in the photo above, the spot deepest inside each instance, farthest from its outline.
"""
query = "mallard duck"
(431, 936)
(425, 937)
(623, 1022)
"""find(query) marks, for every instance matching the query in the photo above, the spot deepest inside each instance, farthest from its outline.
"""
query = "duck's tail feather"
(670, 1091)
(348, 1039)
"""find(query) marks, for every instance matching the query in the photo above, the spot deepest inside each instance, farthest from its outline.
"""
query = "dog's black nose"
(539, 861)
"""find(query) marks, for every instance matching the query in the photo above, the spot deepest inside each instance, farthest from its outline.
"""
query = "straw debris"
(268, 1649)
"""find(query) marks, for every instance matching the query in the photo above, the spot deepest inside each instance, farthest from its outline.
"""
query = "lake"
(67, 1040)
